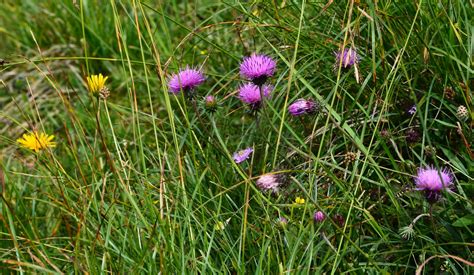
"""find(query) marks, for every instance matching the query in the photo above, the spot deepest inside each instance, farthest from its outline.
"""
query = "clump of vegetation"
(236, 136)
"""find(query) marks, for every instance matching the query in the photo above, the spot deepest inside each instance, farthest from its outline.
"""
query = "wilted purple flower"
(412, 135)
(346, 58)
(432, 181)
(250, 94)
(186, 80)
(319, 216)
(242, 155)
(301, 107)
(412, 110)
(268, 182)
(257, 68)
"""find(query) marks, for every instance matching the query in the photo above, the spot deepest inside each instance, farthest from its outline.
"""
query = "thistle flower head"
(301, 107)
(346, 58)
(96, 84)
(319, 216)
(210, 102)
(36, 141)
(250, 94)
(257, 68)
(242, 155)
(412, 135)
(186, 80)
(432, 181)
(269, 182)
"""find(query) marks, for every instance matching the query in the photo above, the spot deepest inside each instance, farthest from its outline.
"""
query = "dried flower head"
(269, 182)
(319, 216)
(432, 181)
(96, 84)
(449, 93)
(346, 58)
(257, 68)
(36, 141)
(412, 135)
(242, 155)
(302, 106)
(462, 113)
(250, 94)
(350, 157)
(186, 80)
(385, 133)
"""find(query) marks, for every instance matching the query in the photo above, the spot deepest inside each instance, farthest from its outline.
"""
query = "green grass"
(144, 182)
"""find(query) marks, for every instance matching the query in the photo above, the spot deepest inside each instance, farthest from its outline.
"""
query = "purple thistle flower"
(432, 181)
(186, 80)
(242, 155)
(412, 110)
(269, 182)
(319, 216)
(250, 94)
(301, 107)
(346, 58)
(257, 68)
(210, 99)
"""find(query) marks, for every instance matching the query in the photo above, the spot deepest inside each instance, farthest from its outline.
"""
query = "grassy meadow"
(140, 180)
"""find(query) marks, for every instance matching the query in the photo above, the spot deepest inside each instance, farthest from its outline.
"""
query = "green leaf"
(464, 221)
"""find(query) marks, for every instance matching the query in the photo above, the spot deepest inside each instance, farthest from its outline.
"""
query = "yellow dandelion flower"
(36, 141)
(299, 200)
(96, 83)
